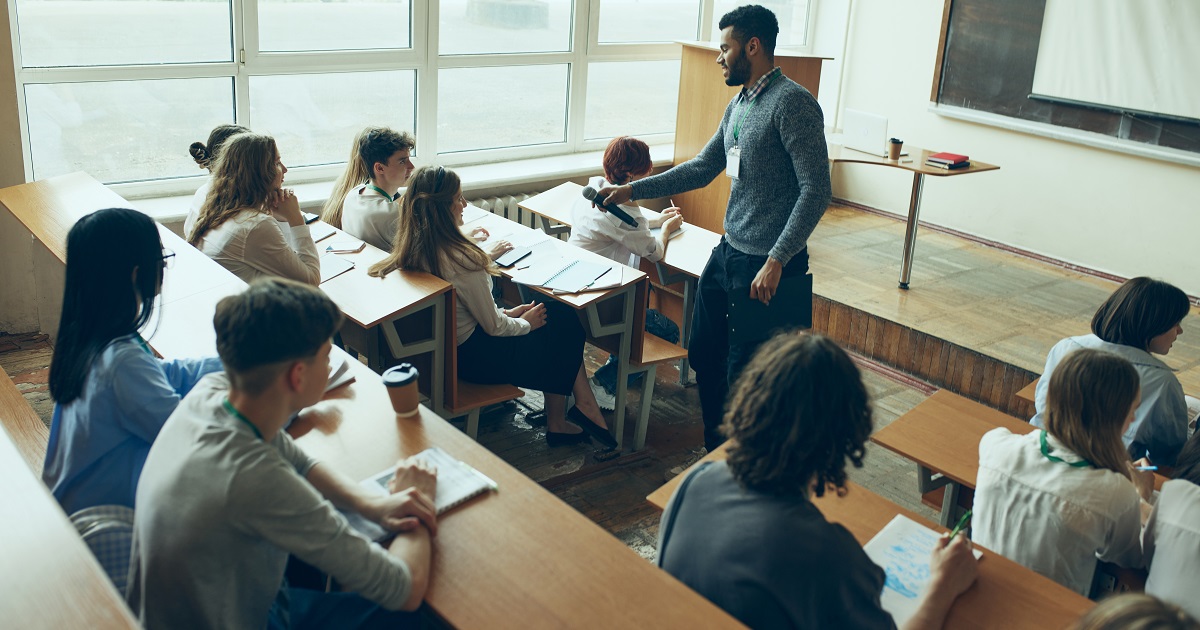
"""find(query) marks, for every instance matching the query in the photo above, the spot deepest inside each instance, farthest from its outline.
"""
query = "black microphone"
(589, 193)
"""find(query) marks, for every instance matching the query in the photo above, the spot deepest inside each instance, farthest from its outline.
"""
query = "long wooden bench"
(27, 431)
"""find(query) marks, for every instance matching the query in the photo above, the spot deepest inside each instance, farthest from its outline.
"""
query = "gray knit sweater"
(783, 185)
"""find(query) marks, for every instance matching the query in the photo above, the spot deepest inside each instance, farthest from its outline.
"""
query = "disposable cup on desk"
(401, 383)
(894, 148)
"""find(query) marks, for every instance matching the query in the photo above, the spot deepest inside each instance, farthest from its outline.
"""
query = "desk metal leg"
(928, 481)
(553, 230)
(623, 328)
(910, 229)
(639, 434)
(668, 277)
(433, 344)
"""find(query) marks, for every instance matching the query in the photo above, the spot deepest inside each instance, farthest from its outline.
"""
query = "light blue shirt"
(99, 442)
(1159, 427)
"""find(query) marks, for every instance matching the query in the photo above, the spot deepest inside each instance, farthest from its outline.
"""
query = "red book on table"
(949, 158)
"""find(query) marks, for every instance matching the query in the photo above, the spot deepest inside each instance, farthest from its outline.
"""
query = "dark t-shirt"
(771, 562)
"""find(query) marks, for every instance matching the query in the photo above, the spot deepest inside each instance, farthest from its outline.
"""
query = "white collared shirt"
(604, 234)
(1052, 517)
(367, 215)
(1172, 545)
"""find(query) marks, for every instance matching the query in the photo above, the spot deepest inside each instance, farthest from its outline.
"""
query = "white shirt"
(252, 244)
(604, 234)
(474, 306)
(367, 215)
(194, 210)
(1172, 545)
(1159, 425)
(1049, 516)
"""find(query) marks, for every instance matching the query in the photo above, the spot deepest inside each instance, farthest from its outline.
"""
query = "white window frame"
(422, 57)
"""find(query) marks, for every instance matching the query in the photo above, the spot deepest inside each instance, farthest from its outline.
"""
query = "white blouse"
(1172, 545)
(604, 234)
(1052, 517)
(474, 306)
(252, 244)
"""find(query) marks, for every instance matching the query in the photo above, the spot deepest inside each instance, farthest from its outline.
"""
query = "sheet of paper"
(321, 231)
(658, 230)
(902, 548)
(333, 266)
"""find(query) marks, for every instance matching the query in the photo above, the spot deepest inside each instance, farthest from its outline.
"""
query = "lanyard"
(380, 191)
(1046, 451)
(746, 106)
(145, 346)
(237, 414)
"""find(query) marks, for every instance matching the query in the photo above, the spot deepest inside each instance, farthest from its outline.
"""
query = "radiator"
(506, 206)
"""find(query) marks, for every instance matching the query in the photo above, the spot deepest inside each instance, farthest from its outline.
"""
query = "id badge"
(733, 162)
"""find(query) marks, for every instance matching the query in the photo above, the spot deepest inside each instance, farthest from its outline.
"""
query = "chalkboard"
(989, 50)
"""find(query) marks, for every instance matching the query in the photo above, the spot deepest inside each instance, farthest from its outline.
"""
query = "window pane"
(504, 26)
(792, 16)
(289, 25)
(610, 112)
(121, 131)
(91, 33)
(657, 20)
(314, 117)
(488, 108)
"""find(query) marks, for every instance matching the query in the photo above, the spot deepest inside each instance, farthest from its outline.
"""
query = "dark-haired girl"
(745, 534)
(1140, 319)
(205, 157)
(112, 394)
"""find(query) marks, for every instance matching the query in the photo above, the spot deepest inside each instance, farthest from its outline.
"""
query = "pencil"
(962, 522)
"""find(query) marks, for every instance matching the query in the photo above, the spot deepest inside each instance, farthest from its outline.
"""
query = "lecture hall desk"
(1006, 595)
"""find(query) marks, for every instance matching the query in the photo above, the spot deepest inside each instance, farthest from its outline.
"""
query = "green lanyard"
(737, 126)
(380, 191)
(1046, 451)
(145, 346)
(237, 414)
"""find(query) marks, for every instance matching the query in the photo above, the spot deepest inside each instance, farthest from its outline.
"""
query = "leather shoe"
(553, 438)
(601, 435)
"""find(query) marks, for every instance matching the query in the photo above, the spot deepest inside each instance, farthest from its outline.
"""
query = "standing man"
(771, 143)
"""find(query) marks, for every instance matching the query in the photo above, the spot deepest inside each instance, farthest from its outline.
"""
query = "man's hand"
(412, 500)
(614, 195)
(766, 282)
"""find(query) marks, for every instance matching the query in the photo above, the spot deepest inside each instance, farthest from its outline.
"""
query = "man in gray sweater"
(226, 496)
(771, 143)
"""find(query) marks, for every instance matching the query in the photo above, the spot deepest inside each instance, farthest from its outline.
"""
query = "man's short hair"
(378, 144)
(753, 20)
(270, 324)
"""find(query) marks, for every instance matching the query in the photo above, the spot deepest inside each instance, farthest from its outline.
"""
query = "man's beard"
(739, 71)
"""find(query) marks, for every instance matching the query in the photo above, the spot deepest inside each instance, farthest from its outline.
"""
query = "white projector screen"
(1140, 55)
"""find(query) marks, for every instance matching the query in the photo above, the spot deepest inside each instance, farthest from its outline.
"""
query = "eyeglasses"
(168, 258)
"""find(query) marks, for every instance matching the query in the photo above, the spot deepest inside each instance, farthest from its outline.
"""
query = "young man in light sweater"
(771, 143)
(226, 495)
(369, 211)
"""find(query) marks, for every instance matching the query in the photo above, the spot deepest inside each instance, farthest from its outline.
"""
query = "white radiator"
(507, 207)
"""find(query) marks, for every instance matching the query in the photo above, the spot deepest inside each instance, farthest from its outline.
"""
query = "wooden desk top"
(516, 557)
(1029, 392)
(47, 574)
(1006, 595)
(50, 207)
(687, 252)
(839, 153)
(943, 432)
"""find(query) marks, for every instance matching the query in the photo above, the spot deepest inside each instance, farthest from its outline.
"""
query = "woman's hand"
(1143, 480)
(285, 207)
(535, 315)
(479, 234)
(499, 248)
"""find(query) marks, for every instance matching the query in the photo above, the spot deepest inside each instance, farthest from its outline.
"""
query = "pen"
(1145, 468)
(525, 267)
(962, 522)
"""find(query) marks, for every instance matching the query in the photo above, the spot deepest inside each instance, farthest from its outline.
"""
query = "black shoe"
(554, 438)
(601, 435)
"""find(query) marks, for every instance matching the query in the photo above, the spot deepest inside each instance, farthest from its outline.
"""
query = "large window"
(119, 88)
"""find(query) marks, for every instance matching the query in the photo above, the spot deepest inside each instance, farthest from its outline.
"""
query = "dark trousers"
(717, 362)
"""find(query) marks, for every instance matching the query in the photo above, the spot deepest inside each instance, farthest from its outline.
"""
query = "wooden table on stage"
(687, 253)
(942, 435)
(914, 162)
(1006, 595)
(515, 557)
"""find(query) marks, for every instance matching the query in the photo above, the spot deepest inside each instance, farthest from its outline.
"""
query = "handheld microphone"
(589, 193)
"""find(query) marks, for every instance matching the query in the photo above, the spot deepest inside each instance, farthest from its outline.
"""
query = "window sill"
(479, 180)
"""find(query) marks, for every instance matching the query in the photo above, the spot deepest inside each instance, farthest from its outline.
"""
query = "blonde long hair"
(427, 233)
(354, 175)
(1090, 395)
(243, 177)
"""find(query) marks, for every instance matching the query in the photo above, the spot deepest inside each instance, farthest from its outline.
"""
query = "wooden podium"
(702, 101)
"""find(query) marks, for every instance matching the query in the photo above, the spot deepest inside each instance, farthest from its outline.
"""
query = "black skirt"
(546, 359)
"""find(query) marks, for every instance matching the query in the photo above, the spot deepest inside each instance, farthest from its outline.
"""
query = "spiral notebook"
(457, 483)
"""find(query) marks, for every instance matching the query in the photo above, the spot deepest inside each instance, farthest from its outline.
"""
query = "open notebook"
(565, 275)
(457, 483)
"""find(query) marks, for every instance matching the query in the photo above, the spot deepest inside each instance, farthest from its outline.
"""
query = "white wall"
(1110, 211)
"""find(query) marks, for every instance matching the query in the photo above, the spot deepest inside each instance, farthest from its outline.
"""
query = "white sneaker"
(607, 401)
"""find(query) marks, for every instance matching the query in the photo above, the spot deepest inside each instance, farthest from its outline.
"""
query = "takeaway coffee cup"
(401, 383)
(893, 148)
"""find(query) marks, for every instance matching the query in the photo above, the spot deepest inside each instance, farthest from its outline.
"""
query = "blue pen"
(1145, 468)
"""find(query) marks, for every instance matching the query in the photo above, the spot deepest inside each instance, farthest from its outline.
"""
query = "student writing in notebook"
(239, 223)
(1171, 538)
(1140, 319)
(1057, 499)
(538, 346)
(205, 155)
(112, 395)
(226, 495)
(745, 534)
(625, 160)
